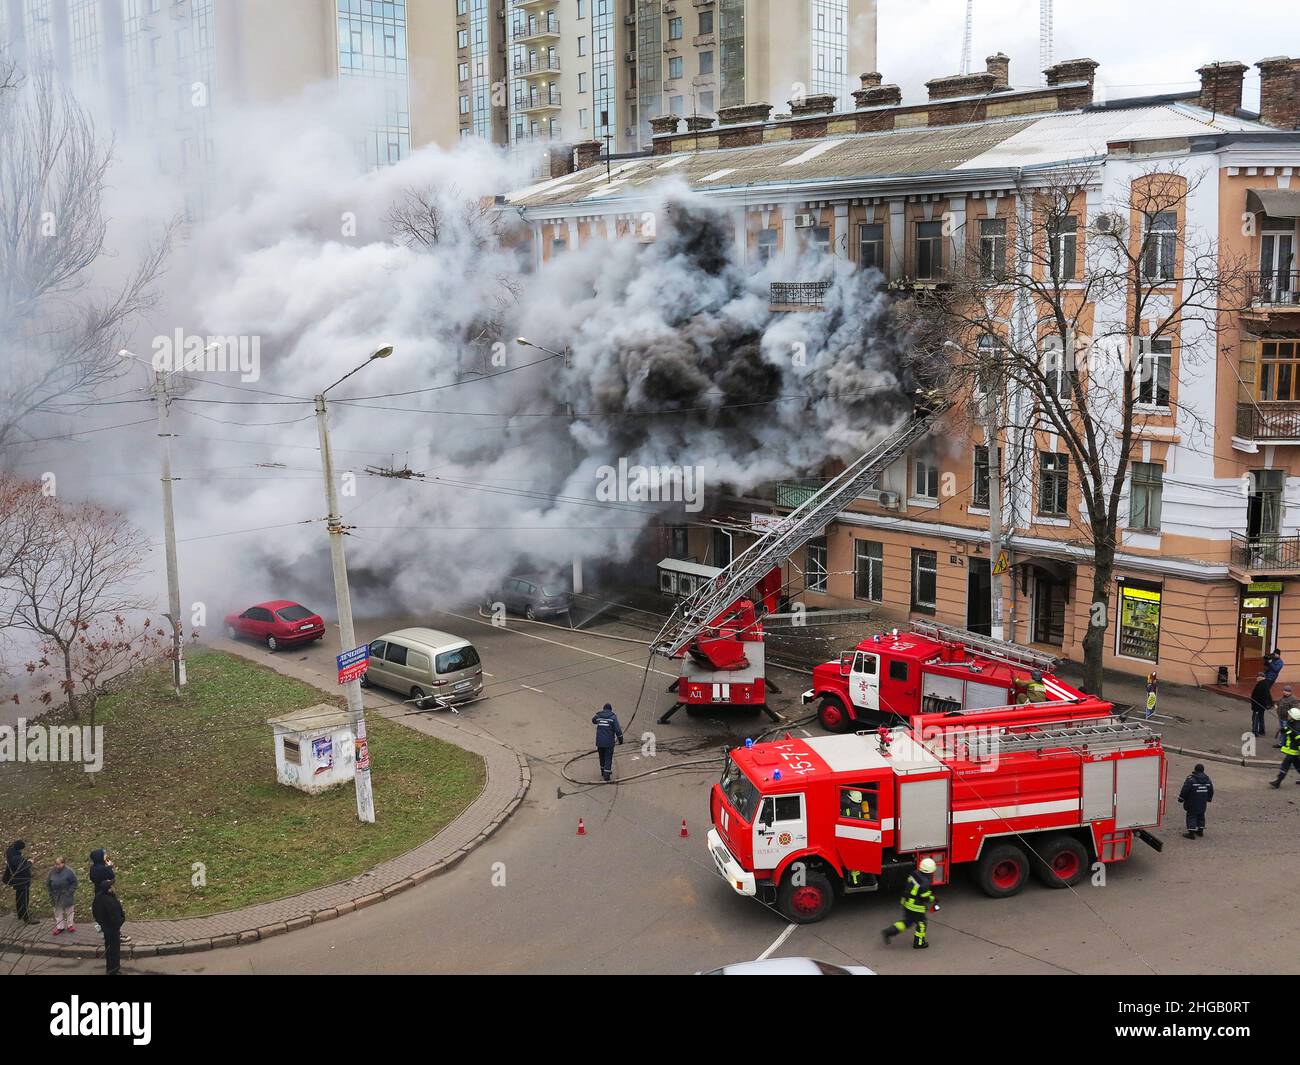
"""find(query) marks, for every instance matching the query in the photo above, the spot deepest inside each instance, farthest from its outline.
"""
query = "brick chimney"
(586, 153)
(999, 65)
(822, 103)
(1279, 92)
(1073, 70)
(698, 123)
(952, 85)
(559, 159)
(873, 94)
(1221, 86)
(664, 124)
(742, 113)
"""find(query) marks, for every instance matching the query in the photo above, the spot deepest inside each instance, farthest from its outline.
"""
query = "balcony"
(537, 102)
(798, 295)
(525, 68)
(1265, 554)
(795, 493)
(1275, 289)
(1272, 421)
(535, 30)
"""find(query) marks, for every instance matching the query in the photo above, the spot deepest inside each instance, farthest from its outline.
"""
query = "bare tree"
(61, 333)
(1067, 318)
(82, 573)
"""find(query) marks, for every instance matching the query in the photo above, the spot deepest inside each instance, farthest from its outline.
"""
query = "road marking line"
(532, 689)
(776, 944)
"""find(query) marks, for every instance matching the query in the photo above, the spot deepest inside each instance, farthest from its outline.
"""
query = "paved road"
(633, 897)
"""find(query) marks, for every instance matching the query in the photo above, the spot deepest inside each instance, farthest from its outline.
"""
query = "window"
(929, 250)
(860, 802)
(292, 751)
(395, 653)
(462, 6)
(818, 238)
(871, 246)
(1158, 247)
(462, 40)
(1154, 365)
(766, 245)
(1264, 504)
(868, 570)
(293, 613)
(675, 29)
(993, 247)
(464, 105)
(814, 578)
(582, 8)
(582, 46)
(1277, 260)
(721, 547)
(706, 62)
(1063, 247)
(979, 494)
(706, 103)
(377, 649)
(676, 66)
(1053, 484)
(677, 104)
(1056, 379)
(706, 22)
(678, 542)
(925, 479)
(1138, 633)
(582, 118)
(456, 659)
(1146, 487)
(1279, 370)
(789, 807)
(898, 671)
(582, 81)
(463, 72)
(925, 576)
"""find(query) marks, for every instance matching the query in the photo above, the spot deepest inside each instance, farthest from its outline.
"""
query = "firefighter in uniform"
(1037, 689)
(918, 899)
(608, 731)
(1290, 747)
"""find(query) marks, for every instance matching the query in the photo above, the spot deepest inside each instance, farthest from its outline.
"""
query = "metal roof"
(1006, 144)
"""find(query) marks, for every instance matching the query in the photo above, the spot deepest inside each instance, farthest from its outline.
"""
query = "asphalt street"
(633, 896)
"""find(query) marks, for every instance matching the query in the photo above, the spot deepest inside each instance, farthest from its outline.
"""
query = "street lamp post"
(343, 601)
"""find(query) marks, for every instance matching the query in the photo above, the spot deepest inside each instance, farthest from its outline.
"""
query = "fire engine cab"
(891, 677)
(1010, 790)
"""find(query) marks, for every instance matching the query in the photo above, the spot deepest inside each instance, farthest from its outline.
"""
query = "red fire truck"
(889, 678)
(1043, 788)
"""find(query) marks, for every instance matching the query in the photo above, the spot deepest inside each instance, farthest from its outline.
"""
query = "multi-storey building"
(167, 67)
(1208, 564)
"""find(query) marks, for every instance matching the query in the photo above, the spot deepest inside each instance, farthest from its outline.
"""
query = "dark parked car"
(531, 597)
(279, 623)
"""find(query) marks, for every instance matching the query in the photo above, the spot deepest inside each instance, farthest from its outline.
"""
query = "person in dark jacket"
(18, 875)
(101, 868)
(1197, 794)
(1261, 698)
(608, 731)
(62, 886)
(1273, 666)
(110, 917)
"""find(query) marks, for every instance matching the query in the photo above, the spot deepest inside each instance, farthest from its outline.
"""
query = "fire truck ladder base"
(1004, 650)
(1110, 735)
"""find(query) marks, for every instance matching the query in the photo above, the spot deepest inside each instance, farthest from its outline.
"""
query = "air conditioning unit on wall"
(889, 500)
(805, 221)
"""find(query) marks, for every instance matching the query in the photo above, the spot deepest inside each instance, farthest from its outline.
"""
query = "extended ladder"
(785, 538)
(1111, 734)
(1005, 650)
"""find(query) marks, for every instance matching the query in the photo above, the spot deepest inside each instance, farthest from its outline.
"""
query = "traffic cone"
(582, 829)
(683, 832)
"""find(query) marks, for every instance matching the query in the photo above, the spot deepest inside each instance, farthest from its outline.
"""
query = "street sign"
(1001, 565)
(353, 663)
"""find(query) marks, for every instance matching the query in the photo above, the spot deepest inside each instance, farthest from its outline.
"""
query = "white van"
(429, 666)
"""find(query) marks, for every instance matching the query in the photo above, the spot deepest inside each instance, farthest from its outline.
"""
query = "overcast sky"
(1144, 46)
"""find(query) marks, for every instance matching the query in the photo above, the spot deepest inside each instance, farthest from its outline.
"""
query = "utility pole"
(347, 635)
(169, 532)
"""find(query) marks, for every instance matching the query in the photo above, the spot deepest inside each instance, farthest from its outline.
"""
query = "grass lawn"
(194, 781)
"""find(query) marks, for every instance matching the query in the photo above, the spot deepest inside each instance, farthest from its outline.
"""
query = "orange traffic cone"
(683, 832)
(582, 829)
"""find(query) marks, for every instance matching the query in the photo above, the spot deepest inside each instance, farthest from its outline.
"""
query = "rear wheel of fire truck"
(807, 902)
(831, 715)
(1061, 861)
(1002, 870)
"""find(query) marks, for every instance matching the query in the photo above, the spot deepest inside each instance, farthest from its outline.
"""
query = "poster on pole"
(353, 663)
(363, 754)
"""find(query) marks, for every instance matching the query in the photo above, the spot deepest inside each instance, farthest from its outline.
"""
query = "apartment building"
(1208, 565)
(169, 66)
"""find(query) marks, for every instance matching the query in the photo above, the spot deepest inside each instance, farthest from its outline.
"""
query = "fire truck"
(890, 677)
(1043, 788)
(716, 634)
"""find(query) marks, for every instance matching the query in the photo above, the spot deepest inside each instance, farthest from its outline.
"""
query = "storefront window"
(1139, 621)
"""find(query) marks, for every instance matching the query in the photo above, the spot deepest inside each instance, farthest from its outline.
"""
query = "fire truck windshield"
(739, 791)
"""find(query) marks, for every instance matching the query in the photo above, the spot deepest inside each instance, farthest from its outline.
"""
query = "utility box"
(314, 748)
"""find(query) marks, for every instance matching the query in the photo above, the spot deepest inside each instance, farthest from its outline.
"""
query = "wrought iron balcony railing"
(799, 293)
(1268, 420)
(1265, 553)
(1275, 288)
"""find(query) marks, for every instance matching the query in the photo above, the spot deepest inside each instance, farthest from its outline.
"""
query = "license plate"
(307, 626)
(461, 685)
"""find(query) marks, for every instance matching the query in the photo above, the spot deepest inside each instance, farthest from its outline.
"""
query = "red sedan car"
(279, 623)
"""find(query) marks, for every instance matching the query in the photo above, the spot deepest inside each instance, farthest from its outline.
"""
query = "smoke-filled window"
(925, 579)
(815, 570)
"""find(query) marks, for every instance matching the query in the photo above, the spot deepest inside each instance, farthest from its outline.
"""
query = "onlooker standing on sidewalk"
(1284, 706)
(1197, 793)
(110, 917)
(18, 875)
(62, 886)
(1273, 665)
(1261, 698)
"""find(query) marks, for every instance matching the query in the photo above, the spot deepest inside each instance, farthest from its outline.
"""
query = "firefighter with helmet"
(1290, 747)
(918, 900)
(1037, 689)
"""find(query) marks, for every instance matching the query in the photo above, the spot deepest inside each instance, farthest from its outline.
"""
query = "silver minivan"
(431, 667)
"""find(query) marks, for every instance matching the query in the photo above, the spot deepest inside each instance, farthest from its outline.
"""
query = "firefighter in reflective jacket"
(918, 900)
(1290, 747)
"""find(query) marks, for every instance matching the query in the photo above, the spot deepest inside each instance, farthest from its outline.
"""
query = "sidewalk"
(508, 778)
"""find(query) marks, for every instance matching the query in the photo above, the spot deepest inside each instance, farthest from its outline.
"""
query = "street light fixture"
(343, 599)
(526, 343)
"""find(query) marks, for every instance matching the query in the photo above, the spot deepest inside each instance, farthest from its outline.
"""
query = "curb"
(253, 935)
(1226, 759)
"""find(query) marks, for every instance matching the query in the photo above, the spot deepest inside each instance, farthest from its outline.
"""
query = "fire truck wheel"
(809, 902)
(1061, 862)
(1002, 870)
(832, 716)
